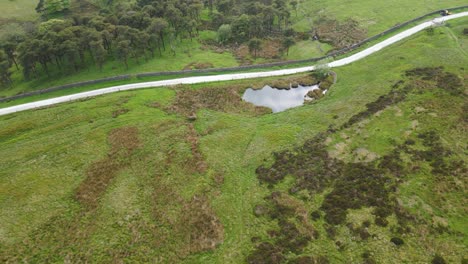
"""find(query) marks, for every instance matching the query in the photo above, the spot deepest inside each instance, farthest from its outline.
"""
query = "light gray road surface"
(229, 77)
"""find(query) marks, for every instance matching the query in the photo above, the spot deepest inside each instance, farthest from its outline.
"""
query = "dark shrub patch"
(119, 112)
(255, 239)
(310, 164)
(437, 155)
(444, 80)
(290, 237)
(431, 78)
(315, 215)
(393, 163)
(425, 73)
(367, 258)
(331, 231)
(355, 185)
(397, 241)
(266, 253)
(360, 185)
(393, 97)
(370, 261)
(381, 221)
(438, 259)
(363, 233)
(366, 223)
(310, 260)
(451, 83)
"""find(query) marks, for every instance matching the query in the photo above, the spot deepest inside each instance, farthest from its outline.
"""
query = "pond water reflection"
(278, 99)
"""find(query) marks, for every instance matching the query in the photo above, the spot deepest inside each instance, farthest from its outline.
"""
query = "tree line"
(138, 31)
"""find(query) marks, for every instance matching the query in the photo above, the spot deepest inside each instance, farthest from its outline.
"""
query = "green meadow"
(170, 175)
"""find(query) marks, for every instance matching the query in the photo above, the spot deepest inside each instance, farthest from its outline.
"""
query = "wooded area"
(72, 36)
(69, 39)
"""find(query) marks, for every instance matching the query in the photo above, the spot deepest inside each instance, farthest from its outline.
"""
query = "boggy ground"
(134, 177)
(356, 185)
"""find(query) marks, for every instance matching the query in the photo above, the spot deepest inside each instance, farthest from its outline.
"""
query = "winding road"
(229, 77)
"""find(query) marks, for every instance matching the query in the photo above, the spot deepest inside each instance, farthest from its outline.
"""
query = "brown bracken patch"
(198, 65)
(202, 226)
(339, 34)
(270, 49)
(199, 164)
(99, 175)
(224, 99)
(119, 112)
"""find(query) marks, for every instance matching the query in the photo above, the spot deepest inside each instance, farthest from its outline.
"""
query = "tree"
(293, 4)
(254, 46)
(11, 35)
(224, 6)
(49, 7)
(5, 73)
(321, 71)
(98, 52)
(224, 33)
(123, 51)
(42, 51)
(240, 28)
(287, 43)
(55, 25)
(27, 59)
(158, 27)
(438, 259)
(70, 50)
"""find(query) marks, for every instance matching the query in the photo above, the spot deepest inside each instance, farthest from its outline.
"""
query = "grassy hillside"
(18, 10)
(128, 177)
(375, 16)
(372, 16)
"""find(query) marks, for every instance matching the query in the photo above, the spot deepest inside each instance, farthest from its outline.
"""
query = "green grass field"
(20, 10)
(307, 49)
(375, 16)
(122, 177)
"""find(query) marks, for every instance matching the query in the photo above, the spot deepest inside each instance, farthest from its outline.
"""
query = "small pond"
(278, 99)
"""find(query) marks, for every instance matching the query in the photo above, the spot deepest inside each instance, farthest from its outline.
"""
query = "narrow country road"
(228, 77)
